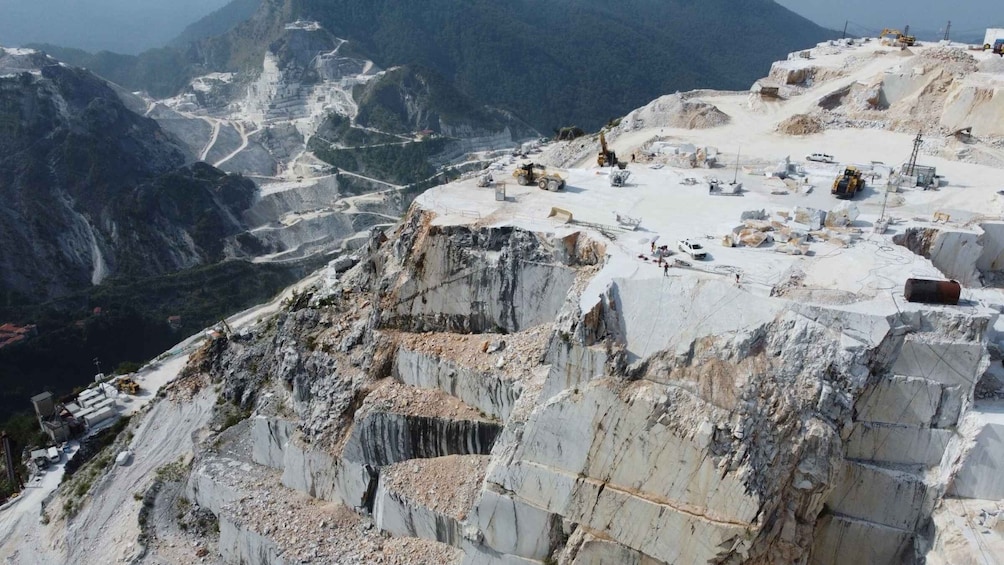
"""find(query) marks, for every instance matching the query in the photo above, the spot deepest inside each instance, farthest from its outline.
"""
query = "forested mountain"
(218, 23)
(93, 190)
(94, 193)
(551, 62)
(561, 62)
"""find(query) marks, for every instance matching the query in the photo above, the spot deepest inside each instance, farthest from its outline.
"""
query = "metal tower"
(912, 164)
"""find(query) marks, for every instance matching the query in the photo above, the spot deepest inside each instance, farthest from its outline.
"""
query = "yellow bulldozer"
(847, 185)
(532, 173)
(901, 38)
(127, 386)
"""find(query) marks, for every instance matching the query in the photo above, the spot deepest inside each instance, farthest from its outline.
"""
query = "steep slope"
(162, 71)
(218, 22)
(408, 99)
(561, 62)
(165, 71)
(93, 190)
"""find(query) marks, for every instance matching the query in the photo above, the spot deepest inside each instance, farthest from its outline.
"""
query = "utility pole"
(948, 30)
(844, 35)
(735, 178)
(885, 197)
(912, 164)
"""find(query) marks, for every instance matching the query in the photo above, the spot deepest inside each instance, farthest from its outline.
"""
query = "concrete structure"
(44, 405)
(922, 175)
(766, 90)
(57, 429)
(90, 413)
(99, 416)
(993, 34)
(48, 420)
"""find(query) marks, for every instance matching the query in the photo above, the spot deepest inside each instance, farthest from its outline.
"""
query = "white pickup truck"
(692, 248)
(820, 158)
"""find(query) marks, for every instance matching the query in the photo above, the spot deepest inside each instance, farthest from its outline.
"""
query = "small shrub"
(82, 488)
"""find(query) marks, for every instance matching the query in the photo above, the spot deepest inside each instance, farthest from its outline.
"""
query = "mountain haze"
(125, 26)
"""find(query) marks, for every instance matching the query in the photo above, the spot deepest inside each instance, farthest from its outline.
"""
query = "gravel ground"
(394, 397)
(448, 485)
(481, 352)
(308, 530)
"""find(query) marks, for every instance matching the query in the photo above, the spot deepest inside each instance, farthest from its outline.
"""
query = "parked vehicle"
(820, 158)
(692, 248)
(848, 184)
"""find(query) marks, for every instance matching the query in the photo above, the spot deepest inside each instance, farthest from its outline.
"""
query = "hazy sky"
(967, 16)
(124, 26)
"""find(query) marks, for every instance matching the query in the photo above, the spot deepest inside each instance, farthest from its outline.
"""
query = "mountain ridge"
(552, 63)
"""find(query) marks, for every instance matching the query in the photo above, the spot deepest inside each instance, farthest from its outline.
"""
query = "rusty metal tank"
(929, 291)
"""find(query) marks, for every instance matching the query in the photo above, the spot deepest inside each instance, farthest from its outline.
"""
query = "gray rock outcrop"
(609, 430)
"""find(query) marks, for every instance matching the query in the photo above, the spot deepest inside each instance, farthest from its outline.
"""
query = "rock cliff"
(93, 190)
(597, 428)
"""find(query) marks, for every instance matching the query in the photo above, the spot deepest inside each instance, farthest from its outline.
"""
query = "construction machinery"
(561, 215)
(606, 157)
(901, 38)
(619, 177)
(847, 185)
(532, 173)
(127, 386)
(627, 222)
(997, 48)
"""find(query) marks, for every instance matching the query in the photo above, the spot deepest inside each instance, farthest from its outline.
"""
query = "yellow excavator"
(901, 39)
(606, 157)
(531, 173)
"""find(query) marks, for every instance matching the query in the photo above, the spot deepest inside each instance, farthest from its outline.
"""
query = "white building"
(993, 34)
